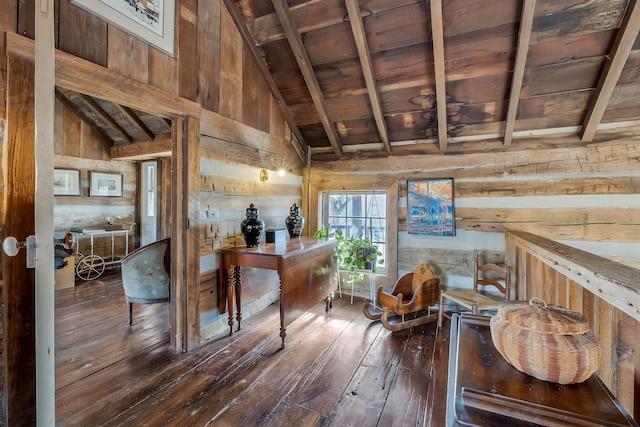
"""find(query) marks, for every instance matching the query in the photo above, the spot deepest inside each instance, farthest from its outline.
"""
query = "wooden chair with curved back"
(411, 294)
(496, 275)
(146, 276)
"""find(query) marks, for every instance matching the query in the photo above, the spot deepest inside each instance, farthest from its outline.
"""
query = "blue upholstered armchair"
(146, 276)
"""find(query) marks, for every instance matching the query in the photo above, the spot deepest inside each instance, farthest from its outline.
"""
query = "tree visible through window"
(356, 215)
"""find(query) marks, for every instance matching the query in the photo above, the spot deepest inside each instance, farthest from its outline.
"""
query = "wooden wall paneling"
(164, 197)
(594, 224)
(231, 52)
(606, 328)
(8, 20)
(264, 107)
(188, 49)
(128, 55)
(163, 71)
(72, 135)
(277, 124)
(628, 356)
(19, 221)
(575, 296)
(58, 136)
(250, 90)
(81, 33)
(209, 36)
(26, 19)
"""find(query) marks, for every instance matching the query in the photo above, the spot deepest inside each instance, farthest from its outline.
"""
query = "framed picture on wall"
(106, 184)
(430, 207)
(149, 20)
(66, 182)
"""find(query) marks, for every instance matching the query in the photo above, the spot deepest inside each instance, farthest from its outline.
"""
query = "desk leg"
(328, 302)
(238, 275)
(283, 329)
(231, 281)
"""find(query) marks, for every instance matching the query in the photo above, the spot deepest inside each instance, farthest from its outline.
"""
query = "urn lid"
(252, 211)
(295, 209)
(537, 316)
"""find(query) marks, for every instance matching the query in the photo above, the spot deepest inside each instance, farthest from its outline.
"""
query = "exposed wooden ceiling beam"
(437, 31)
(302, 57)
(136, 121)
(78, 112)
(625, 38)
(357, 27)
(97, 109)
(526, 24)
(160, 147)
(236, 14)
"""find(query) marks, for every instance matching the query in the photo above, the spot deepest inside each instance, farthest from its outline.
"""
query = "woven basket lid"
(537, 316)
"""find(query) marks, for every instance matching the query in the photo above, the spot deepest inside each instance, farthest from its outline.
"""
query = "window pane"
(355, 228)
(377, 206)
(337, 205)
(336, 224)
(356, 204)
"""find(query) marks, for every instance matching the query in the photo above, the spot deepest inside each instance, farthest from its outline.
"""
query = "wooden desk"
(485, 390)
(307, 270)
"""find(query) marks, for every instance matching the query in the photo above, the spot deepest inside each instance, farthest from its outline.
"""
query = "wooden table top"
(485, 390)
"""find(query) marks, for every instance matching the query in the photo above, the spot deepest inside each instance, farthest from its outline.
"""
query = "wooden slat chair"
(412, 293)
(146, 275)
(498, 276)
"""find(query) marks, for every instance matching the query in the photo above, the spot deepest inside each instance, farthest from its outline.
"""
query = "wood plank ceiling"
(130, 133)
(373, 78)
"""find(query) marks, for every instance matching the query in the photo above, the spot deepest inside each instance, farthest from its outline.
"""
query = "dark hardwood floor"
(337, 369)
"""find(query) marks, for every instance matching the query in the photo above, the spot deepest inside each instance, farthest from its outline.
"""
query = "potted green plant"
(355, 254)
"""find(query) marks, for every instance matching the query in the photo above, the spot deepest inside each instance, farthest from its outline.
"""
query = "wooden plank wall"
(587, 195)
(617, 331)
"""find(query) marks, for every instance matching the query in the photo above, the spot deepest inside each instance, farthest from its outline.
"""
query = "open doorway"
(148, 202)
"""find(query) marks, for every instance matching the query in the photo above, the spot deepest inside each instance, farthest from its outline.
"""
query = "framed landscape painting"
(149, 20)
(66, 182)
(430, 207)
(106, 184)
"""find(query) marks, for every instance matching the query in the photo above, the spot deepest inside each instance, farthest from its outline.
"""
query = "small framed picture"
(106, 184)
(66, 182)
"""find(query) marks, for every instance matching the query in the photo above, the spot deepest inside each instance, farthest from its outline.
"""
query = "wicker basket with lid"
(549, 343)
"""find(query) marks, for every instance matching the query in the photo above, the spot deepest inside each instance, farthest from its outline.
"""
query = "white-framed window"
(358, 213)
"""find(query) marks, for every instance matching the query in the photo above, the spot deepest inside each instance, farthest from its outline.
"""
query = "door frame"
(85, 77)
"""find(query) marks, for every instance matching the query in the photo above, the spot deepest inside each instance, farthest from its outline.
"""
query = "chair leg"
(130, 313)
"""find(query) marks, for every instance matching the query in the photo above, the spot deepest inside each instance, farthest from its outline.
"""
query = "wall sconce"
(274, 164)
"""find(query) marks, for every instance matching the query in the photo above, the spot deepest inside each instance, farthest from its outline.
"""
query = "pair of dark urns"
(252, 226)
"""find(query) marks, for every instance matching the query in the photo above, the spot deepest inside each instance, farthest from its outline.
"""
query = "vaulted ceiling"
(374, 78)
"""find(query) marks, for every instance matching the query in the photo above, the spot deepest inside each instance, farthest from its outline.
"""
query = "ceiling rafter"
(357, 27)
(302, 57)
(136, 121)
(82, 116)
(526, 26)
(96, 108)
(298, 142)
(625, 38)
(437, 31)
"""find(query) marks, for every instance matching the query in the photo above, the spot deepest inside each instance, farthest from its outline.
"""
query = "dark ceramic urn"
(294, 222)
(252, 227)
